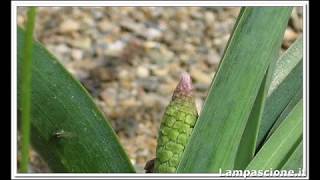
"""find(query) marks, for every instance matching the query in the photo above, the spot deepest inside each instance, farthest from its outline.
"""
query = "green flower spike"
(176, 127)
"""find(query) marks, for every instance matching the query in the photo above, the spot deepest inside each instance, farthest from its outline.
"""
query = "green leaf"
(286, 82)
(253, 45)
(282, 143)
(247, 145)
(295, 162)
(286, 111)
(67, 129)
(278, 71)
(26, 91)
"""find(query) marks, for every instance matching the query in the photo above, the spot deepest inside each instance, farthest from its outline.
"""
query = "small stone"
(104, 74)
(132, 26)
(86, 64)
(150, 44)
(20, 20)
(123, 75)
(153, 33)
(69, 25)
(222, 28)
(82, 43)
(149, 83)
(142, 72)
(142, 152)
(97, 14)
(167, 89)
(62, 48)
(76, 54)
(104, 25)
(184, 58)
(160, 71)
(209, 17)
(200, 76)
(128, 103)
(149, 100)
(201, 87)
(109, 97)
(199, 104)
(221, 43)
(290, 35)
(190, 48)
(184, 26)
(115, 49)
(234, 12)
(88, 21)
(82, 74)
(127, 84)
(213, 57)
(174, 67)
(161, 55)
(296, 19)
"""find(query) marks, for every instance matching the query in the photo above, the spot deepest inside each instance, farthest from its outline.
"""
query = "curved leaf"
(295, 162)
(282, 143)
(67, 129)
(254, 43)
(284, 78)
(286, 82)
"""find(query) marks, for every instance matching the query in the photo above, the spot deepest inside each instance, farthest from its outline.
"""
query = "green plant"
(253, 102)
(26, 91)
(176, 127)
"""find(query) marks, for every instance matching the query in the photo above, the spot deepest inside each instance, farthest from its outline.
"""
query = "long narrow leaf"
(286, 82)
(277, 150)
(295, 162)
(286, 111)
(247, 145)
(26, 91)
(67, 129)
(276, 74)
(255, 42)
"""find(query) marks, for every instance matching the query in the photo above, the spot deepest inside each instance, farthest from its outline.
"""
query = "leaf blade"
(286, 82)
(283, 71)
(223, 118)
(26, 91)
(247, 145)
(295, 162)
(286, 111)
(61, 106)
(276, 151)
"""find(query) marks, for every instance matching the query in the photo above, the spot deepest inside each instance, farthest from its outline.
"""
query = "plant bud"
(176, 127)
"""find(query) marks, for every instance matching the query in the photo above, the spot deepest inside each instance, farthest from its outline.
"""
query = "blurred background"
(130, 60)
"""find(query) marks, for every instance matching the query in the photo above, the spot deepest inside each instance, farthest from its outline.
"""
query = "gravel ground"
(130, 59)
